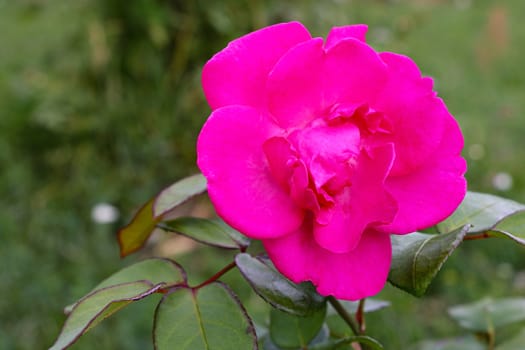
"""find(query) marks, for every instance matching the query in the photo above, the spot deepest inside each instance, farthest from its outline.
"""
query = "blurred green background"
(100, 102)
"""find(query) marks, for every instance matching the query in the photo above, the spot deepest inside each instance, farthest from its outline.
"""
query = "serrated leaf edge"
(162, 226)
(480, 210)
(455, 243)
(68, 309)
(250, 329)
(508, 234)
(269, 301)
(159, 215)
(462, 233)
(153, 289)
(120, 232)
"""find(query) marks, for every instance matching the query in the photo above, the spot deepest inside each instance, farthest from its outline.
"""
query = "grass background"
(100, 101)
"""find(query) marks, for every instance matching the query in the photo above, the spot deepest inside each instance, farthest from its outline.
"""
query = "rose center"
(329, 154)
(315, 163)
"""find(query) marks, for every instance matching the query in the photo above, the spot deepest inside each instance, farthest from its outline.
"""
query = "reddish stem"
(344, 314)
(477, 236)
(360, 316)
(216, 276)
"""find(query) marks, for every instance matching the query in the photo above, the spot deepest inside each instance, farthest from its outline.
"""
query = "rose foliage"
(328, 152)
(324, 148)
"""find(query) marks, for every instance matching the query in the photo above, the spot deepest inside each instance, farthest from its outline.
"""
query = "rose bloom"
(322, 149)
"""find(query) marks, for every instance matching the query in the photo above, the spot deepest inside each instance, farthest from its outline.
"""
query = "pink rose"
(322, 149)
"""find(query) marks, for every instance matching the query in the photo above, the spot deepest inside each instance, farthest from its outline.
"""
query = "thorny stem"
(482, 235)
(344, 314)
(360, 316)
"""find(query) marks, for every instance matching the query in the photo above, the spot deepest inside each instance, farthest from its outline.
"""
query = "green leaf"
(322, 338)
(338, 326)
(211, 232)
(178, 193)
(277, 290)
(488, 314)
(261, 330)
(512, 226)
(99, 305)
(482, 211)
(492, 215)
(515, 343)
(290, 331)
(370, 342)
(463, 343)
(133, 236)
(155, 271)
(417, 258)
(208, 318)
(371, 305)
(268, 344)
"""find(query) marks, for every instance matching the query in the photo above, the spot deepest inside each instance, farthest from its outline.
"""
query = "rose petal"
(415, 114)
(290, 172)
(351, 276)
(308, 81)
(353, 73)
(365, 204)
(326, 150)
(356, 31)
(281, 158)
(238, 73)
(404, 67)
(240, 185)
(430, 194)
(295, 85)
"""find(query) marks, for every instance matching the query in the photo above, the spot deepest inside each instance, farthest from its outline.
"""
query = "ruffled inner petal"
(327, 151)
(281, 159)
(309, 80)
(364, 204)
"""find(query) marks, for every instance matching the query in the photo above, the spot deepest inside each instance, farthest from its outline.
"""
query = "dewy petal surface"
(244, 193)
(430, 194)
(238, 73)
(357, 274)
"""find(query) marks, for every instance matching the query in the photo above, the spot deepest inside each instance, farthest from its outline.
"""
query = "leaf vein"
(414, 262)
(199, 319)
